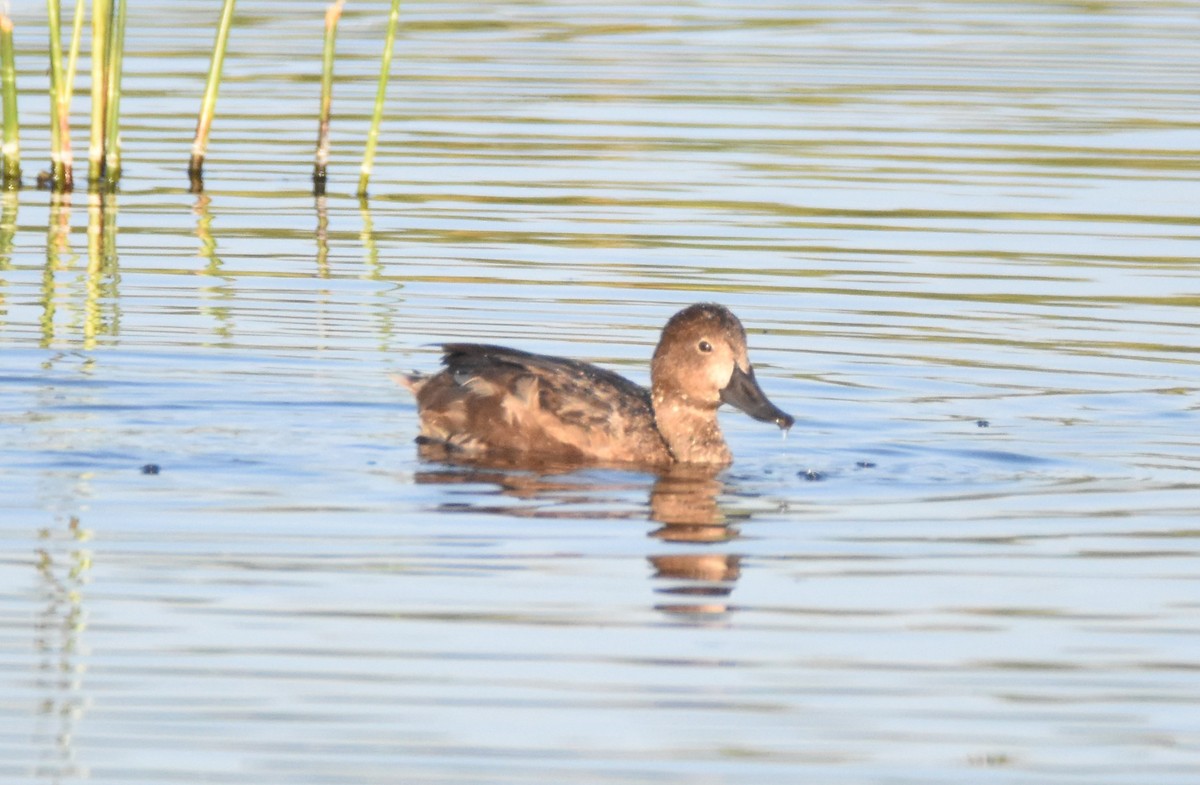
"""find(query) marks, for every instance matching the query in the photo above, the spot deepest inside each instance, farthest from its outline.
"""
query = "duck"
(505, 407)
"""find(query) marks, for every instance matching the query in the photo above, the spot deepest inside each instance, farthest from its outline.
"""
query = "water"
(962, 236)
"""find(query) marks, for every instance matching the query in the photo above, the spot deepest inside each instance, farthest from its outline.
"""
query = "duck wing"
(493, 399)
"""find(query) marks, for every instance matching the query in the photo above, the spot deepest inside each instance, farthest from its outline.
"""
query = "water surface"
(962, 237)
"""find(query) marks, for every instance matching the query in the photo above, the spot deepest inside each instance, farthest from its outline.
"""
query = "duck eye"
(705, 346)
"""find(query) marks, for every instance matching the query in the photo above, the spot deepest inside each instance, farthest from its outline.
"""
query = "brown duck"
(503, 406)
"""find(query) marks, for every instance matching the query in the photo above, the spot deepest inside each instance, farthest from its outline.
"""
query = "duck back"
(502, 405)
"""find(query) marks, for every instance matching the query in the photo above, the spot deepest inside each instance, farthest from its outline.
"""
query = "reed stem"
(380, 94)
(101, 16)
(54, 23)
(64, 98)
(76, 39)
(62, 86)
(209, 105)
(112, 127)
(332, 15)
(10, 170)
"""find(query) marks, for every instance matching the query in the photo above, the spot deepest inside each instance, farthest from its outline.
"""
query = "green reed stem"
(10, 171)
(209, 105)
(62, 171)
(112, 128)
(54, 23)
(384, 69)
(332, 15)
(101, 16)
(76, 40)
(62, 86)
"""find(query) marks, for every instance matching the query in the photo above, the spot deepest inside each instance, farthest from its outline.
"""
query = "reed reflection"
(389, 298)
(698, 573)
(217, 298)
(59, 257)
(370, 242)
(96, 312)
(9, 206)
(63, 563)
(103, 278)
(322, 206)
(8, 228)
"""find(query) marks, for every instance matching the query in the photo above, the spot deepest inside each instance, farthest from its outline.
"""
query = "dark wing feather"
(578, 393)
(492, 402)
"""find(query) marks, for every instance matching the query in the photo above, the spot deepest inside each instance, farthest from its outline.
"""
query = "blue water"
(962, 238)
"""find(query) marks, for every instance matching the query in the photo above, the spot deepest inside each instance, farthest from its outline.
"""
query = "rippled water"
(963, 237)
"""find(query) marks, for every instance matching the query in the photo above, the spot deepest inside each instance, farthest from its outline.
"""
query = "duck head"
(700, 363)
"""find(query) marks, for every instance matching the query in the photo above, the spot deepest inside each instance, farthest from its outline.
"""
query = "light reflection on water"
(962, 238)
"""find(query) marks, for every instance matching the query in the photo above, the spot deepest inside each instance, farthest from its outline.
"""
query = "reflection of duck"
(506, 407)
(684, 500)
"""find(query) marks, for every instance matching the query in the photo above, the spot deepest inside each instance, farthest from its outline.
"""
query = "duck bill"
(744, 393)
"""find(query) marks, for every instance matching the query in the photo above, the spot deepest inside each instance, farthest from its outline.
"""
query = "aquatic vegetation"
(61, 177)
(107, 57)
(112, 87)
(101, 11)
(385, 68)
(108, 21)
(208, 106)
(10, 176)
(332, 15)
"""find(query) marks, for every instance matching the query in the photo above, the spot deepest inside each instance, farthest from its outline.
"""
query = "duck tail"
(413, 382)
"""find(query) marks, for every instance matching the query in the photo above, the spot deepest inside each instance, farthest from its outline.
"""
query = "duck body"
(509, 405)
(501, 406)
